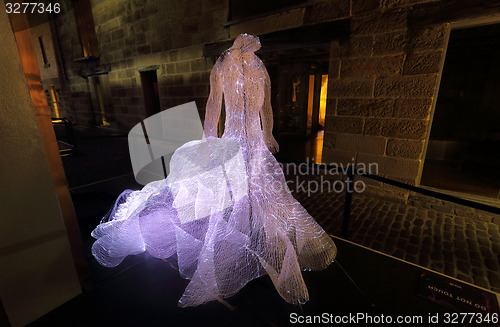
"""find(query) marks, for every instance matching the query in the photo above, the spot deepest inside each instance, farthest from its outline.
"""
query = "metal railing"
(351, 172)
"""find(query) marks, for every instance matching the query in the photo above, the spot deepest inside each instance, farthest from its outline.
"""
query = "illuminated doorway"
(316, 113)
(299, 79)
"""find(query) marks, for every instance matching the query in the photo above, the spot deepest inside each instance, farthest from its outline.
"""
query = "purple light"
(224, 209)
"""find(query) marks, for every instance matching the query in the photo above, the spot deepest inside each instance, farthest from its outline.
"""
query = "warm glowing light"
(295, 87)
(322, 103)
(310, 101)
(319, 147)
(321, 113)
(54, 101)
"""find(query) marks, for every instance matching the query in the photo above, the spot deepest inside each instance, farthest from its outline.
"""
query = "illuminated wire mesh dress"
(224, 209)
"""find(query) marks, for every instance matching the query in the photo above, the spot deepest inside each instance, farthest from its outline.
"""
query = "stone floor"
(448, 238)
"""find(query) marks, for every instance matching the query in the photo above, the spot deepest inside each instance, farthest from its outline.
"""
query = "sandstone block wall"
(135, 34)
(168, 34)
(381, 86)
(73, 90)
(383, 76)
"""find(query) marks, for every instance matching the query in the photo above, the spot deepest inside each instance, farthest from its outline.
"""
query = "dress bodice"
(240, 77)
(243, 89)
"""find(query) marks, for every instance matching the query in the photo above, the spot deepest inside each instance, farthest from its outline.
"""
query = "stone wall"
(168, 34)
(48, 71)
(383, 77)
(73, 90)
(382, 82)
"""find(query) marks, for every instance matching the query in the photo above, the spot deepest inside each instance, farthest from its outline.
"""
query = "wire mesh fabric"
(224, 211)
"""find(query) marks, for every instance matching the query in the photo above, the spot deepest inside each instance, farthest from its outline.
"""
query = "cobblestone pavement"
(455, 240)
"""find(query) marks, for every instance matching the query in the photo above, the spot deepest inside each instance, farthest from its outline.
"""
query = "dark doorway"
(463, 153)
(149, 82)
(101, 99)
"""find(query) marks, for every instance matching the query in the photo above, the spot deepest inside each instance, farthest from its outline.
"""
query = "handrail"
(351, 172)
(435, 194)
